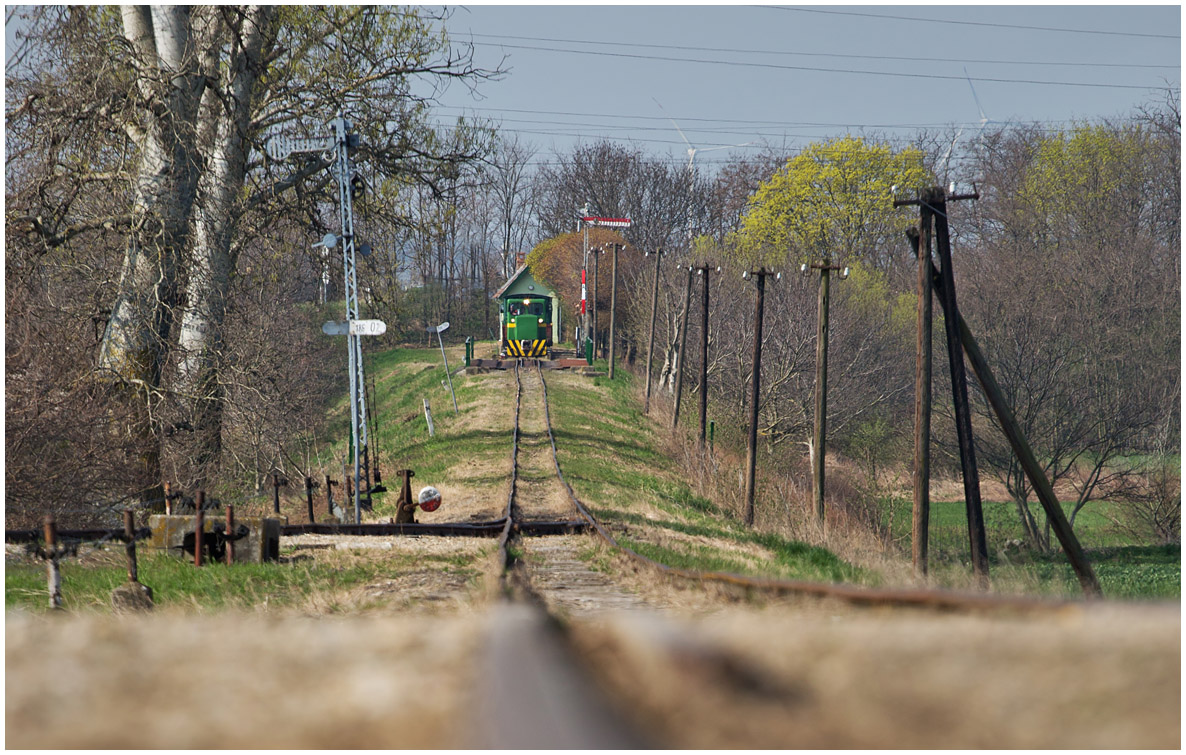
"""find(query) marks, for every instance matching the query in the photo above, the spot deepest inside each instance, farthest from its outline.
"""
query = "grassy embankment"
(612, 456)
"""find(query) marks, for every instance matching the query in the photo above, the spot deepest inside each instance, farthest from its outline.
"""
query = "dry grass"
(840, 678)
(236, 682)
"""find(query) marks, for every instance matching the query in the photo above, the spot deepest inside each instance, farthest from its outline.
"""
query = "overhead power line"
(975, 23)
(796, 53)
(750, 64)
(749, 123)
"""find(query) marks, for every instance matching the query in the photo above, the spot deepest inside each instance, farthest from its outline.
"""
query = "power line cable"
(817, 69)
(974, 23)
(742, 121)
(688, 48)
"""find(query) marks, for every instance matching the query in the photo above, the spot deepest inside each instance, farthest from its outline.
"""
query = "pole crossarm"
(920, 201)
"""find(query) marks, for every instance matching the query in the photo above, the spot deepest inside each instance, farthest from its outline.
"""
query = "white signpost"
(438, 330)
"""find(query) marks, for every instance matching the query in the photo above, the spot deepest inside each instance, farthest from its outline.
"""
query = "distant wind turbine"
(693, 149)
(984, 119)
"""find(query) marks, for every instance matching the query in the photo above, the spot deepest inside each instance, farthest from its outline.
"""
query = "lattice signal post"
(340, 143)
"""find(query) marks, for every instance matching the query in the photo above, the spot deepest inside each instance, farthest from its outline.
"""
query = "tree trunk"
(213, 259)
(169, 83)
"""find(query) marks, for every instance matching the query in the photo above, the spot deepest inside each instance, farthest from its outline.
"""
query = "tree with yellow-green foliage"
(833, 201)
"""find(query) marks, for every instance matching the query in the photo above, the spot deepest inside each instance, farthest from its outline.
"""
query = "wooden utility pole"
(933, 211)
(752, 451)
(920, 533)
(613, 310)
(703, 269)
(819, 435)
(679, 358)
(1017, 440)
(978, 540)
(595, 253)
(646, 404)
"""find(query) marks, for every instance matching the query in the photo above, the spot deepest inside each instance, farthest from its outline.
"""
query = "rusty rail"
(504, 539)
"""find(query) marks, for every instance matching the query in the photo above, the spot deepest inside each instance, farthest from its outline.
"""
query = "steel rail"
(934, 599)
(533, 692)
(508, 517)
(18, 537)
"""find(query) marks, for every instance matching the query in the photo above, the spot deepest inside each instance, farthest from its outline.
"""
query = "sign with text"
(367, 327)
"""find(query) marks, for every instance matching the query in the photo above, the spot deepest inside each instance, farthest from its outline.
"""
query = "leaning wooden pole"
(1025, 455)
(978, 540)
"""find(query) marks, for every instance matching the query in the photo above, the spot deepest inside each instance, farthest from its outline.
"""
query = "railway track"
(556, 664)
(535, 692)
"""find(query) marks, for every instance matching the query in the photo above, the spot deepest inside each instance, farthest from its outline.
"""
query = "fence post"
(53, 573)
(230, 532)
(309, 494)
(199, 525)
(329, 496)
(130, 545)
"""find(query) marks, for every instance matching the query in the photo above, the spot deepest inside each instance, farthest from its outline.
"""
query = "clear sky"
(730, 74)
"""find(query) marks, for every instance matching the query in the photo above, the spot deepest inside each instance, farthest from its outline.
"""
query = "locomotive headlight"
(541, 321)
(527, 301)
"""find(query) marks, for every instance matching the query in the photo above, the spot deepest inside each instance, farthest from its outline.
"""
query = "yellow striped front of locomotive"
(533, 348)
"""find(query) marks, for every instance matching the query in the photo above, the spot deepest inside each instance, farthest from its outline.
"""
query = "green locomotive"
(527, 327)
(528, 317)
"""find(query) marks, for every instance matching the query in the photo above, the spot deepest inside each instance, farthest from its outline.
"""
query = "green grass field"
(1125, 569)
(177, 583)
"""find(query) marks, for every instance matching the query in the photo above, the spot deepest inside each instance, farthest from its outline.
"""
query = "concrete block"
(175, 534)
